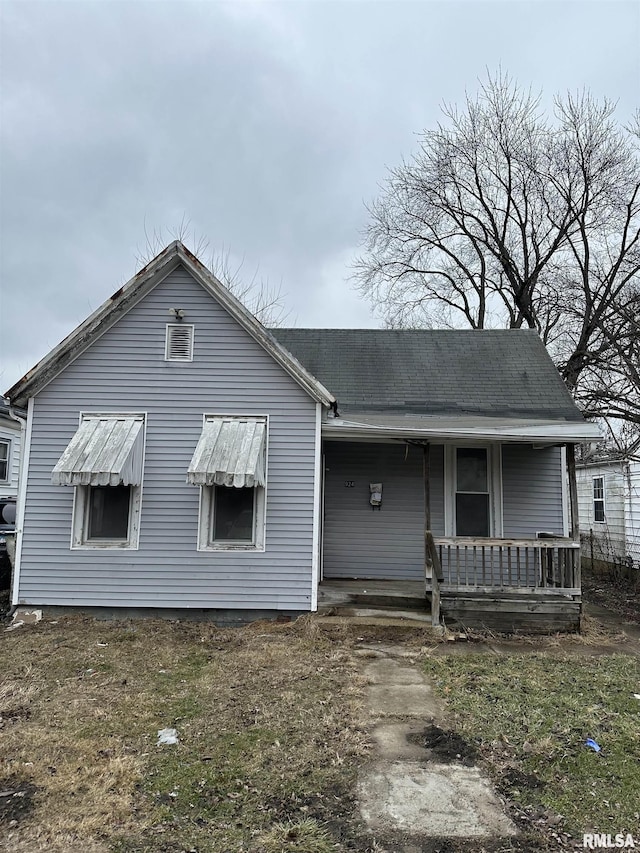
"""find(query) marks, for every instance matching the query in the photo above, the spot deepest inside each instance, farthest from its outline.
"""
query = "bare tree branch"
(508, 217)
(266, 302)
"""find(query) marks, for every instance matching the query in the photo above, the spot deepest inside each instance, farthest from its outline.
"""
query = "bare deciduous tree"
(265, 301)
(508, 217)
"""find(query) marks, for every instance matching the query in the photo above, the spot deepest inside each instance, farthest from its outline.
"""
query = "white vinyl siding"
(615, 540)
(5, 460)
(598, 500)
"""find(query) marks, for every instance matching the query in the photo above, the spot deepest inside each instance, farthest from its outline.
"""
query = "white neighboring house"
(609, 507)
(10, 445)
(10, 436)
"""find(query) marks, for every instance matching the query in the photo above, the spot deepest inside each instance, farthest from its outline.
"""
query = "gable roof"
(506, 373)
(174, 255)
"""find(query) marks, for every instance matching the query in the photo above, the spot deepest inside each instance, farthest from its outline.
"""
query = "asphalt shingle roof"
(434, 372)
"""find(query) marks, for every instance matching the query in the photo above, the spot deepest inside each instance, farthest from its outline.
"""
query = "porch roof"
(387, 425)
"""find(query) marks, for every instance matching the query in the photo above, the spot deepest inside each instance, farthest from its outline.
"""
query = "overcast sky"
(265, 125)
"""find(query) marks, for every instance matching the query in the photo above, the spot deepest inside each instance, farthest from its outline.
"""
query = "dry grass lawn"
(529, 716)
(268, 725)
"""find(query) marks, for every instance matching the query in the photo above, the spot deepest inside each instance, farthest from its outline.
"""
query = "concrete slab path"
(405, 794)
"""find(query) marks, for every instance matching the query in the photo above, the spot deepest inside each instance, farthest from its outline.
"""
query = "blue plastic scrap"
(591, 743)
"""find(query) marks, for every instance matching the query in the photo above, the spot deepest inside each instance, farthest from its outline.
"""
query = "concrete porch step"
(419, 616)
(362, 622)
(372, 594)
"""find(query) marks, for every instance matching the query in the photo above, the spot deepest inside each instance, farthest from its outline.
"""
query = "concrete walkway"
(408, 795)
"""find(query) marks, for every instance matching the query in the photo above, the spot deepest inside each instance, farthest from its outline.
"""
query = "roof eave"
(254, 327)
(562, 432)
(96, 323)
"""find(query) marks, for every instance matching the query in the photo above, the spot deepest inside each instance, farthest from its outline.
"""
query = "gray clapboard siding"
(124, 371)
(531, 491)
(360, 542)
(363, 543)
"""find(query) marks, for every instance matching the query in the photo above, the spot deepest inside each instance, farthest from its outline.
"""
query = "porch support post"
(430, 553)
(573, 493)
(573, 517)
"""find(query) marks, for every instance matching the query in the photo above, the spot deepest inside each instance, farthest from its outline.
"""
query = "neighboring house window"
(5, 453)
(104, 461)
(179, 342)
(598, 498)
(229, 464)
(472, 503)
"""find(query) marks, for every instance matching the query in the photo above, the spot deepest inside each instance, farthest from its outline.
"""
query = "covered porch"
(497, 584)
(407, 552)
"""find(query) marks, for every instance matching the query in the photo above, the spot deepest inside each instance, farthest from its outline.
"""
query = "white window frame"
(494, 484)
(80, 528)
(168, 337)
(80, 512)
(599, 500)
(207, 499)
(8, 443)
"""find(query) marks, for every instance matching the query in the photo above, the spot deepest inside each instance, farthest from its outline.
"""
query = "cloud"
(266, 125)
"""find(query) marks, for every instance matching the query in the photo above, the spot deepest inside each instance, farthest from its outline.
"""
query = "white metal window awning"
(230, 452)
(107, 450)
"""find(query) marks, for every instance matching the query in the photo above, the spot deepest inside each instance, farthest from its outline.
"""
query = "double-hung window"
(5, 456)
(229, 464)
(473, 505)
(104, 462)
(598, 499)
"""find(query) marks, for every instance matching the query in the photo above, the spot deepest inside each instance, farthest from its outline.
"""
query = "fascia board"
(102, 319)
(132, 292)
(254, 328)
(552, 434)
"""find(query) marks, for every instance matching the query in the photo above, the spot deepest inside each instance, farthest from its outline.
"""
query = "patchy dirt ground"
(618, 594)
(271, 737)
(445, 746)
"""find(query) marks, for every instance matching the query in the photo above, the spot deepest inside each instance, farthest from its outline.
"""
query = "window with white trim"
(106, 516)
(5, 456)
(232, 518)
(179, 342)
(104, 463)
(473, 490)
(598, 499)
(472, 495)
(229, 464)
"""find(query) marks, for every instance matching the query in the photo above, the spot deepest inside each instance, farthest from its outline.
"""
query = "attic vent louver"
(179, 342)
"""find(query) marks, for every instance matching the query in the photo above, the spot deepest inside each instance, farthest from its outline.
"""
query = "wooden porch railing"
(512, 565)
